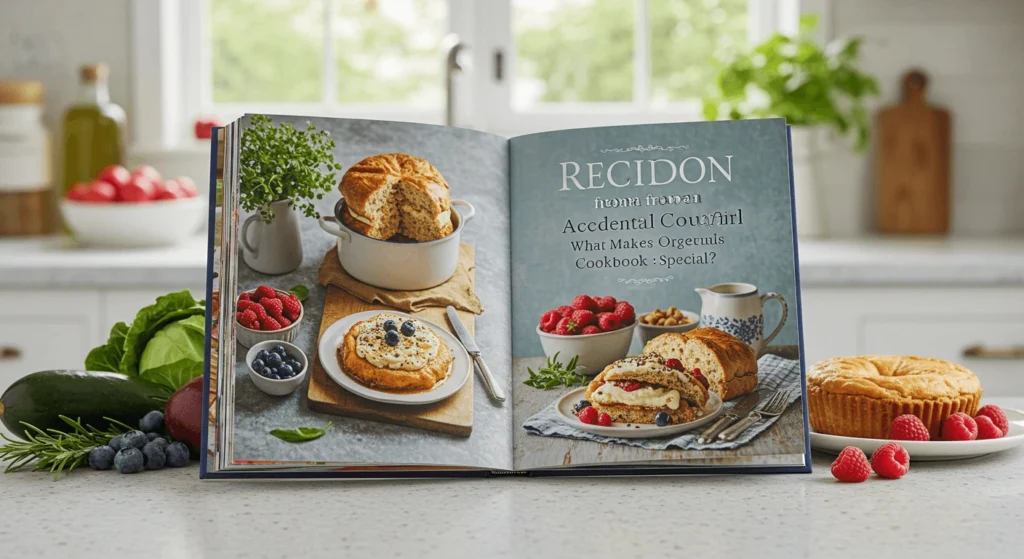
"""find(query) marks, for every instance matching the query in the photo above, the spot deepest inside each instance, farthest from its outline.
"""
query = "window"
(532, 64)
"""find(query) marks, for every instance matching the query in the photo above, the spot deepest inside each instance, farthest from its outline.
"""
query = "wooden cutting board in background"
(913, 193)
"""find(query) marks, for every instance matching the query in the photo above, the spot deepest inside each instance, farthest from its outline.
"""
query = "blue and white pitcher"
(738, 309)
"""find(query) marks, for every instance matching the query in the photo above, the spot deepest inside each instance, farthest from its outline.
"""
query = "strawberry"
(566, 311)
(608, 321)
(588, 415)
(584, 303)
(273, 305)
(673, 363)
(587, 330)
(265, 291)
(625, 312)
(549, 320)
(292, 306)
(605, 304)
(628, 385)
(604, 420)
(584, 318)
(566, 327)
(270, 324)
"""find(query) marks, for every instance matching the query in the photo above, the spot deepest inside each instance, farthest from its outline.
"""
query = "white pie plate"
(924, 451)
(462, 367)
(634, 430)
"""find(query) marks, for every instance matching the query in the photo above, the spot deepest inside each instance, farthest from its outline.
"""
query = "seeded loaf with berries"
(395, 194)
(661, 389)
(729, 364)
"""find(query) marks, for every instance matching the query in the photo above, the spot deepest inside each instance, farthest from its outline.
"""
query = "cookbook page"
(655, 292)
(345, 357)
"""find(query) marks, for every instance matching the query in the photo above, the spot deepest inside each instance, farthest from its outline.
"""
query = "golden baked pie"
(396, 195)
(729, 364)
(393, 352)
(637, 388)
(860, 396)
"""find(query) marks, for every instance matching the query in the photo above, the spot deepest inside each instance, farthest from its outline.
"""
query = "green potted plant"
(282, 171)
(820, 91)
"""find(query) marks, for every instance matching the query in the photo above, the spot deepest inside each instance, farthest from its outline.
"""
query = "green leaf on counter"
(302, 434)
(300, 291)
(107, 357)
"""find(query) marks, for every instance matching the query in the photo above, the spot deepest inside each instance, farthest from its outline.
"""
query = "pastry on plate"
(394, 194)
(729, 364)
(635, 389)
(860, 396)
(392, 352)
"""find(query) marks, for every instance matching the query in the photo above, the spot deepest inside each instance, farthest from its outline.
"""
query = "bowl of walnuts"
(657, 322)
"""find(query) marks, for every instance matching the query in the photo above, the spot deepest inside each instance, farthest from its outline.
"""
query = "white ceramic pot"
(273, 248)
(738, 309)
(398, 266)
(809, 143)
(595, 351)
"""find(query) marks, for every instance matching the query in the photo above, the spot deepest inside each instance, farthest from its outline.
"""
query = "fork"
(776, 404)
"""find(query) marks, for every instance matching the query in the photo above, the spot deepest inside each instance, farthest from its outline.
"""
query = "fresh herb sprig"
(302, 434)
(555, 374)
(57, 451)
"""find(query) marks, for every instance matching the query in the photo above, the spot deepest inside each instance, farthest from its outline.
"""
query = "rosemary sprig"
(554, 374)
(57, 451)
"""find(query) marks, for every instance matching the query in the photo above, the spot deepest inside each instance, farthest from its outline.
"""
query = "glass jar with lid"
(26, 189)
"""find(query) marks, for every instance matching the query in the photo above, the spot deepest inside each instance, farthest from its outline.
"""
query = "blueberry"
(134, 439)
(295, 365)
(154, 456)
(258, 364)
(102, 458)
(391, 338)
(177, 455)
(116, 442)
(152, 422)
(408, 328)
(390, 325)
(662, 419)
(159, 441)
(284, 371)
(278, 349)
(129, 460)
(262, 355)
(274, 360)
(579, 406)
(275, 376)
(152, 436)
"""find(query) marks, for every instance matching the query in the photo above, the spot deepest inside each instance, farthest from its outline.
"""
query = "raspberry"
(244, 296)
(696, 371)
(247, 318)
(959, 427)
(628, 385)
(608, 321)
(566, 327)
(590, 330)
(245, 304)
(908, 427)
(549, 320)
(588, 415)
(604, 420)
(890, 461)
(625, 312)
(270, 323)
(995, 413)
(987, 429)
(274, 306)
(673, 363)
(584, 318)
(851, 466)
(264, 291)
(292, 307)
(605, 304)
(584, 303)
(566, 311)
(284, 321)
(261, 313)
(701, 378)
(240, 319)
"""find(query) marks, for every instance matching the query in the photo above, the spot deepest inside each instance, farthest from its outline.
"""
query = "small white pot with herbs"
(283, 170)
(819, 91)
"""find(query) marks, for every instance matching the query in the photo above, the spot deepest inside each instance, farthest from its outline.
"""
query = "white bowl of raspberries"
(597, 330)
(266, 314)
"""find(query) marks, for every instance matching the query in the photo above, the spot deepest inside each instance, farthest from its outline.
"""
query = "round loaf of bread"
(434, 370)
(729, 364)
(649, 369)
(860, 396)
(395, 194)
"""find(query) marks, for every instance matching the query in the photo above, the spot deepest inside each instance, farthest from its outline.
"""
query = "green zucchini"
(40, 398)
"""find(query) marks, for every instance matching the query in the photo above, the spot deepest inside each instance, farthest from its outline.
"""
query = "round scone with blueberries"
(644, 389)
(393, 352)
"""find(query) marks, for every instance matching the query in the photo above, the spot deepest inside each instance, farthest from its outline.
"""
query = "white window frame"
(170, 51)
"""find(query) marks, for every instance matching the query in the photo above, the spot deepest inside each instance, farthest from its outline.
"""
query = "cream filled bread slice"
(636, 388)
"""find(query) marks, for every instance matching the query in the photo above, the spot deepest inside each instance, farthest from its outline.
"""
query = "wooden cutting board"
(452, 415)
(913, 193)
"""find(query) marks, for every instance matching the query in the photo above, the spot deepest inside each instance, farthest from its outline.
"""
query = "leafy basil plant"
(795, 78)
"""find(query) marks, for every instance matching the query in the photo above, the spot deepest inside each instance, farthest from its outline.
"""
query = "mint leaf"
(300, 291)
(302, 434)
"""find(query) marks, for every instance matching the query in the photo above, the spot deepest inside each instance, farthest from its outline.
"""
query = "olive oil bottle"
(93, 129)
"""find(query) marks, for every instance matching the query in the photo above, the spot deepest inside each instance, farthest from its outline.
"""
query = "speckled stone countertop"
(940, 509)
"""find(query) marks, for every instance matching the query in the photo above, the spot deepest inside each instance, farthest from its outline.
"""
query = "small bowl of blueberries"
(276, 367)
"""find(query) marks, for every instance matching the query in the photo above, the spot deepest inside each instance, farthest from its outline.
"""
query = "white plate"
(462, 367)
(635, 430)
(924, 451)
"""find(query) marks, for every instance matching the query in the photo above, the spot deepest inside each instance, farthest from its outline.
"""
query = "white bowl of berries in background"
(133, 209)
(258, 318)
(597, 330)
(276, 367)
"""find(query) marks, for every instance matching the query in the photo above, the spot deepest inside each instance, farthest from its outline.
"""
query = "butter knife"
(739, 410)
(467, 341)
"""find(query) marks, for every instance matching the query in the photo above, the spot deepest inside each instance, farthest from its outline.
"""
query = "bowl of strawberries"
(266, 314)
(597, 330)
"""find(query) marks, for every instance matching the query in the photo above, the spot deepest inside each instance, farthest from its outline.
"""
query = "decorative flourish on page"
(643, 148)
(645, 281)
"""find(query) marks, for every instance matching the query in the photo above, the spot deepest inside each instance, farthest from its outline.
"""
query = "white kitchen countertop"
(939, 509)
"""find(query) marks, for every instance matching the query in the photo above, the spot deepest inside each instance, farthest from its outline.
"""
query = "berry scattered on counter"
(102, 458)
(408, 328)
(177, 455)
(605, 304)
(588, 415)
(959, 427)
(134, 439)
(604, 420)
(152, 422)
(662, 419)
(587, 330)
(908, 427)
(152, 436)
(890, 461)
(584, 303)
(391, 338)
(851, 466)
(579, 406)
(129, 460)
(987, 429)
(154, 456)
(995, 413)
(116, 442)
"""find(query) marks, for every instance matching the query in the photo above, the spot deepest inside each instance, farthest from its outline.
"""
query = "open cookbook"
(406, 300)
